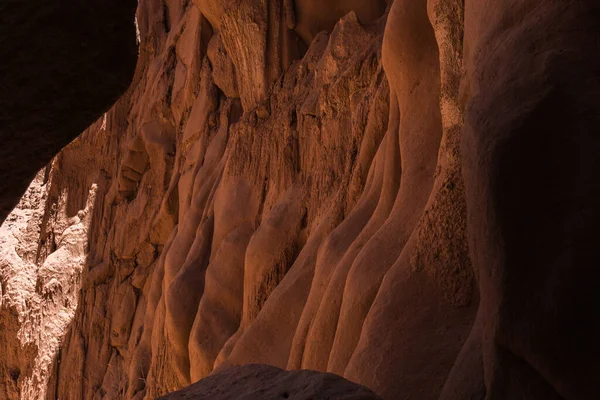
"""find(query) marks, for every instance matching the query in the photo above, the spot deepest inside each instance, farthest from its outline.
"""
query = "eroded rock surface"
(264, 382)
(40, 280)
(267, 185)
(366, 188)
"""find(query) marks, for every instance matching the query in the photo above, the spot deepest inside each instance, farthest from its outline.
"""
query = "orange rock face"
(275, 183)
(365, 188)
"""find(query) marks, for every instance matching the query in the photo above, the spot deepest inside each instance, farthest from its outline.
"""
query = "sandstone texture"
(398, 193)
(42, 256)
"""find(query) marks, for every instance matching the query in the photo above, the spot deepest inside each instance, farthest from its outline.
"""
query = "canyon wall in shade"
(399, 193)
(276, 187)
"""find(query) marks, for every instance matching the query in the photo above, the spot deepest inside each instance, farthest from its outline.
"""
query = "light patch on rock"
(44, 293)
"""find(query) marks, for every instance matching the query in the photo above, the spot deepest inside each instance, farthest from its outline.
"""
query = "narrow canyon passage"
(366, 188)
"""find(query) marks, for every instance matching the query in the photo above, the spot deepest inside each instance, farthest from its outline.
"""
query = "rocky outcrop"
(18, 275)
(63, 65)
(263, 382)
(357, 187)
(40, 281)
(213, 198)
(262, 190)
